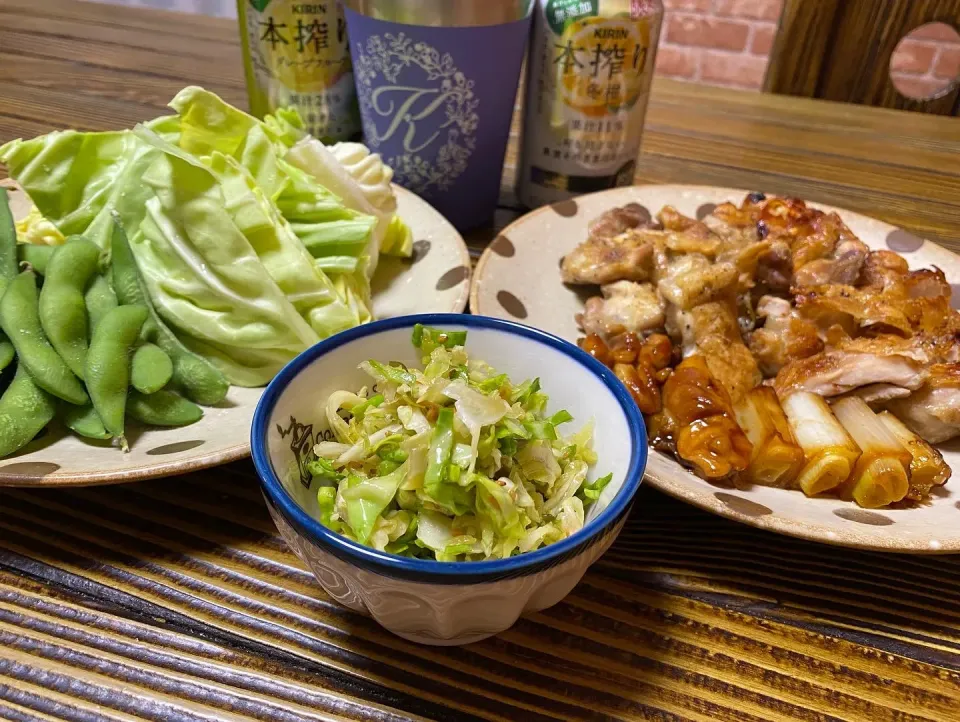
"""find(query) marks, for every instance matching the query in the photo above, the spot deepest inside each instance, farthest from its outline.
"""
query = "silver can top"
(444, 13)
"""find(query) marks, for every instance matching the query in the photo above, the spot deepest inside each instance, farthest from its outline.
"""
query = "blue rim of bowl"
(423, 570)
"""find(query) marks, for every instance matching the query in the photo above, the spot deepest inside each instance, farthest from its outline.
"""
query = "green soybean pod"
(99, 300)
(36, 256)
(63, 312)
(8, 243)
(83, 420)
(108, 365)
(163, 408)
(20, 320)
(200, 380)
(25, 409)
(7, 352)
(151, 369)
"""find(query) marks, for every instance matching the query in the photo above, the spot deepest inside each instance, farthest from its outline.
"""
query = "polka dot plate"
(436, 279)
(518, 278)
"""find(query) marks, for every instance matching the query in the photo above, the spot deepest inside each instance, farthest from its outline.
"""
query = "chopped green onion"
(540, 430)
(427, 339)
(522, 392)
(360, 409)
(323, 470)
(591, 492)
(441, 447)
(396, 374)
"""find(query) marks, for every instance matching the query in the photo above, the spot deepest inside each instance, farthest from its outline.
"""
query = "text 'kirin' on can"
(588, 81)
(296, 54)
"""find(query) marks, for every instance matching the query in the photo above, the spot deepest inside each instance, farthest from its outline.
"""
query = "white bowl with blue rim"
(424, 600)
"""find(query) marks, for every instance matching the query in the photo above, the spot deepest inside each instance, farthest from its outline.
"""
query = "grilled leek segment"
(776, 459)
(927, 467)
(881, 476)
(829, 451)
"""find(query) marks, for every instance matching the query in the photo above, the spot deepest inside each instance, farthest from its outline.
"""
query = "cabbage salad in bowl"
(452, 462)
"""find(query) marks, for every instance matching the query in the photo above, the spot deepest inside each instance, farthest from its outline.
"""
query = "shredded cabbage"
(451, 462)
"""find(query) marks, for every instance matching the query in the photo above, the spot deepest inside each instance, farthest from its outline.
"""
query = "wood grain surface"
(841, 50)
(176, 600)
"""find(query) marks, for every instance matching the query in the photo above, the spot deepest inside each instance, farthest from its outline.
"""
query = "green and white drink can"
(588, 80)
(296, 54)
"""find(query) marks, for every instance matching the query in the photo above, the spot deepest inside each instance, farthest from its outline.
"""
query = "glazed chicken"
(773, 303)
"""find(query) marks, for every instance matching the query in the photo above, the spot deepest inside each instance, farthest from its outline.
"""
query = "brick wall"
(726, 42)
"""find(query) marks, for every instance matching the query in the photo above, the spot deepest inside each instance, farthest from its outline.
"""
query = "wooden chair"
(840, 50)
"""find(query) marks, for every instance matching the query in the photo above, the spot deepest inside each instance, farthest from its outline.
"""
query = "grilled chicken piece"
(853, 363)
(616, 249)
(842, 265)
(784, 336)
(625, 307)
(617, 220)
(692, 279)
(626, 257)
(882, 269)
(933, 411)
(876, 395)
(854, 310)
(716, 334)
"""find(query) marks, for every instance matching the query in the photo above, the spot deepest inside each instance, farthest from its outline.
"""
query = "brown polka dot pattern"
(453, 277)
(503, 246)
(567, 208)
(511, 304)
(903, 242)
(705, 210)
(29, 468)
(420, 250)
(743, 506)
(176, 447)
(862, 516)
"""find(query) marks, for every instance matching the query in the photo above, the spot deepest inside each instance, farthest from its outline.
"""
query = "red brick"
(745, 71)
(918, 88)
(948, 63)
(912, 57)
(935, 31)
(755, 9)
(706, 33)
(674, 62)
(697, 6)
(762, 41)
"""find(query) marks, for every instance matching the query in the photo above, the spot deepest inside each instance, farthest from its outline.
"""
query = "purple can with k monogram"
(437, 81)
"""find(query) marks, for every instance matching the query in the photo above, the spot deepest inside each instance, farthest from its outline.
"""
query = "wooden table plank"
(176, 599)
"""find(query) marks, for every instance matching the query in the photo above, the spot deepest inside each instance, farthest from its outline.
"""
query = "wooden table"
(176, 599)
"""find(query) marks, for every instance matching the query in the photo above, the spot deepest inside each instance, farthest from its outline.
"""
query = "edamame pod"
(84, 420)
(163, 408)
(151, 369)
(8, 243)
(108, 365)
(200, 380)
(99, 300)
(36, 256)
(63, 314)
(25, 409)
(20, 320)
(7, 351)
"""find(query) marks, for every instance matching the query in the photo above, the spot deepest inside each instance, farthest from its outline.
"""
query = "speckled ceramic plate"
(518, 278)
(435, 280)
